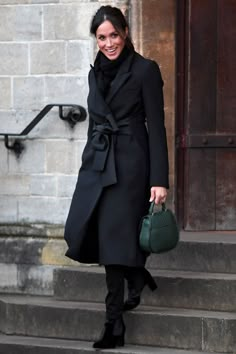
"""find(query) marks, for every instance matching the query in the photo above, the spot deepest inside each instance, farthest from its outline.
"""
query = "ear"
(126, 31)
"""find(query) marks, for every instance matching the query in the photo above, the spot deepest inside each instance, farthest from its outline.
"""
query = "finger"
(152, 195)
(157, 199)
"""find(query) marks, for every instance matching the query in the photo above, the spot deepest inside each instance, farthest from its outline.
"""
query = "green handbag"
(159, 231)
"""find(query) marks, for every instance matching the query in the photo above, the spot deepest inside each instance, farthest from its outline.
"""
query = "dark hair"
(116, 17)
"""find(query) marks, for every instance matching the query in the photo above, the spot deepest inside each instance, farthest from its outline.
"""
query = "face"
(110, 42)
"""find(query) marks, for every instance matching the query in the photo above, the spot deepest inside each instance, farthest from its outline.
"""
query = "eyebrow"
(103, 35)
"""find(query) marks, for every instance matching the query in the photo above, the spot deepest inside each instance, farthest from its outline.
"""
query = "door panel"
(226, 85)
(226, 189)
(209, 131)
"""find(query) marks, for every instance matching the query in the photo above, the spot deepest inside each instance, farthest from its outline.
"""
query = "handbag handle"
(163, 207)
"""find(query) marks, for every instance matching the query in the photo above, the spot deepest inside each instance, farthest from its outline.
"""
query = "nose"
(109, 42)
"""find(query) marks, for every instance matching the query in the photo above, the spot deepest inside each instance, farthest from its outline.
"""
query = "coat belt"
(103, 143)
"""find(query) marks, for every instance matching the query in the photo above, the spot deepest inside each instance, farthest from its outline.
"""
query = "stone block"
(14, 185)
(79, 56)
(28, 250)
(61, 157)
(44, 1)
(66, 89)
(22, 2)
(26, 279)
(69, 21)
(66, 185)
(43, 185)
(21, 250)
(5, 93)
(4, 158)
(79, 147)
(53, 127)
(8, 276)
(36, 280)
(14, 59)
(8, 209)
(14, 121)
(53, 253)
(219, 335)
(47, 58)
(43, 210)
(28, 93)
(32, 230)
(20, 23)
(32, 159)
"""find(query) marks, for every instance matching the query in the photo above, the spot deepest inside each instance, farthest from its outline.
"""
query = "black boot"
(136, 283)
(113, 336)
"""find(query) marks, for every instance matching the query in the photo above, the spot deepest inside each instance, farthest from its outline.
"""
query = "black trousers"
(115, 280)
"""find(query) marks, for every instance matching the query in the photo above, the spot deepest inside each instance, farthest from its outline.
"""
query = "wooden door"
(207, 114)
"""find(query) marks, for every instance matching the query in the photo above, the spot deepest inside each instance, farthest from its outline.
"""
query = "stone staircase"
(193, 310)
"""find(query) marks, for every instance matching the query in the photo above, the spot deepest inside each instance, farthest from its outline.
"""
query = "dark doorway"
(206, 114)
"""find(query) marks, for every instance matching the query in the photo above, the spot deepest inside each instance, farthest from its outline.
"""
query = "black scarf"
(106, 70)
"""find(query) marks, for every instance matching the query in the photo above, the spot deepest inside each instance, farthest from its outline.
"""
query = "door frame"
(182, 30)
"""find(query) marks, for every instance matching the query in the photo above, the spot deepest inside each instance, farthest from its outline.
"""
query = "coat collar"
(120, 79)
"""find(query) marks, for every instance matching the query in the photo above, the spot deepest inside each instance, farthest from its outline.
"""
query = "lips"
(111, 51)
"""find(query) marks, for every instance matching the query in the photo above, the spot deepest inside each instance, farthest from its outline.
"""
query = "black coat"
(119, 164)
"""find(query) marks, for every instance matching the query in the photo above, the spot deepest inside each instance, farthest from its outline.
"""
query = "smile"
(111, 50)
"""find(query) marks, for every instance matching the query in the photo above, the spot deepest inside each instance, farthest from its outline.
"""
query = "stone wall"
(45, 51)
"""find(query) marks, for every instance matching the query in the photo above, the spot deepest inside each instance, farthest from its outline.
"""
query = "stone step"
(196, 251)
(201, 252)
(26, 279)
(164, 327)
(28, 345)
(210, 291)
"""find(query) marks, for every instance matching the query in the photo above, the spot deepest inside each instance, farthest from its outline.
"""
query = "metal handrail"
(76, 114)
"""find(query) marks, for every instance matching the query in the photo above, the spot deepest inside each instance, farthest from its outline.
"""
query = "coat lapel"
(120, 79)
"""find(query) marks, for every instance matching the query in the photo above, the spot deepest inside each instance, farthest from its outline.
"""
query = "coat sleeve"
(152, 93)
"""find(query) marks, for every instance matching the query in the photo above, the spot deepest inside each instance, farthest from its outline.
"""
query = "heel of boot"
(150, 281)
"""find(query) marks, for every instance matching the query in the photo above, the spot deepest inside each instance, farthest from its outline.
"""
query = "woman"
(123, 167)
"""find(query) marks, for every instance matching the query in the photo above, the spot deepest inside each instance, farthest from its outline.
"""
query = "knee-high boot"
(137, 279)
(114, 328)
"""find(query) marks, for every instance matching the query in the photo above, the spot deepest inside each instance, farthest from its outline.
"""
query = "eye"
(101, 38)
(114, 35)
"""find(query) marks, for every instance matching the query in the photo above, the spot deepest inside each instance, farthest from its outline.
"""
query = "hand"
(158, 194)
